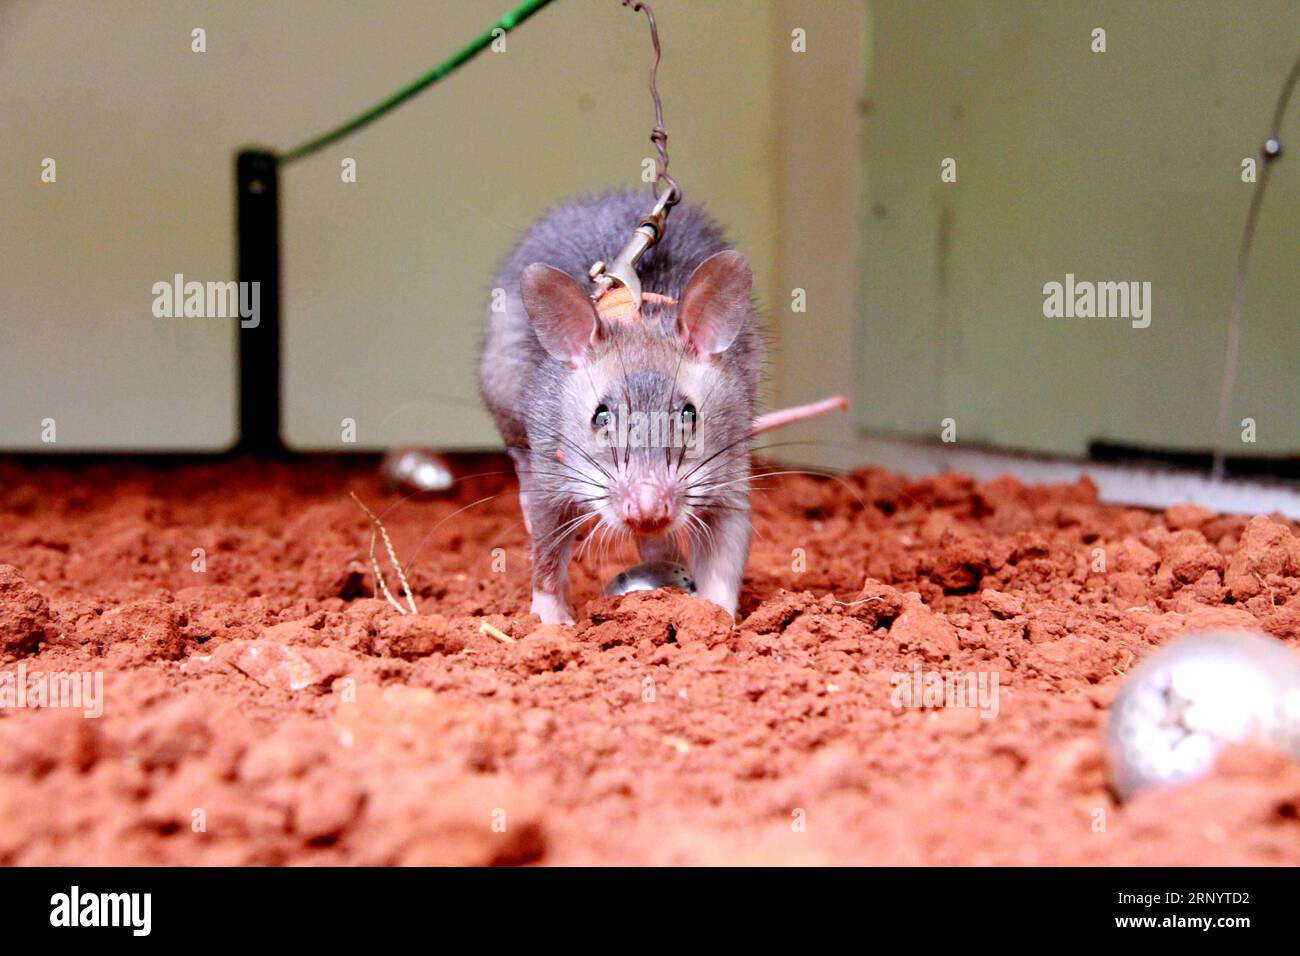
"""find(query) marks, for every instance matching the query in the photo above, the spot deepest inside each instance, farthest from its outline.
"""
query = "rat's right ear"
(562, 314)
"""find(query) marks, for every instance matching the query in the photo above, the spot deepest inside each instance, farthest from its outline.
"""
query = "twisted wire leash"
(658, 135)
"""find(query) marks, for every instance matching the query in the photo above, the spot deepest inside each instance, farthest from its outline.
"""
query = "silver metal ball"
(1182, 705)
(416, 470)
(651, 575)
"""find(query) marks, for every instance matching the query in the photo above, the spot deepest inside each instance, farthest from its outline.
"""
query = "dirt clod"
(24, 615)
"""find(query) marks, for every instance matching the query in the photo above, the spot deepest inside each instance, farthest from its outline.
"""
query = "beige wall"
(1118, 166)
(385, 281)
(1123, 165)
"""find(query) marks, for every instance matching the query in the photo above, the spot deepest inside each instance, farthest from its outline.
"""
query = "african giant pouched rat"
(558, 378)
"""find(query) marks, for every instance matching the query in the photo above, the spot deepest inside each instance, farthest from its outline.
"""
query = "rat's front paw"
(725, 596)
(552, 608)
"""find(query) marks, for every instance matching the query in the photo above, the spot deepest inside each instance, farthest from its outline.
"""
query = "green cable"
(506, 23)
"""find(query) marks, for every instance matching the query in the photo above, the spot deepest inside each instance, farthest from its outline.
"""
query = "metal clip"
(623, 270)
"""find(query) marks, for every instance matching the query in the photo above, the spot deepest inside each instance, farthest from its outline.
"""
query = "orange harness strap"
(618, 305)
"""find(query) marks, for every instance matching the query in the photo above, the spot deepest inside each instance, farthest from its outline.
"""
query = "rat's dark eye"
(602, 418)
(689, 415)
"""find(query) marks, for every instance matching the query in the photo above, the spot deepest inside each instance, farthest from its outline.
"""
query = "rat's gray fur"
(543, 405)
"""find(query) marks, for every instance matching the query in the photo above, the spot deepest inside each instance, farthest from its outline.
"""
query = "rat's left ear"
(716, 303)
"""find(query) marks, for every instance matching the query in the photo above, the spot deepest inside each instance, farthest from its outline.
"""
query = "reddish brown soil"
(310, 723)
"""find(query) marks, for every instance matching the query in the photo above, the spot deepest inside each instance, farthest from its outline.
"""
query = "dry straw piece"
(500, 635)
(380, 584)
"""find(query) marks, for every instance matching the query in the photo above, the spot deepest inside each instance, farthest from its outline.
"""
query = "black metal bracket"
(258, 238)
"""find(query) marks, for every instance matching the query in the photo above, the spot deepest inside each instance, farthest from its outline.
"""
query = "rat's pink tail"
(788, 416)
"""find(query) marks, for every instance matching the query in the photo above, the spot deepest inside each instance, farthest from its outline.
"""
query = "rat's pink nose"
(647, 508)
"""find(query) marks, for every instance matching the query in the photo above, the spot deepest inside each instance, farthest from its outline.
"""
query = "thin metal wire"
(1271, 151)
(466, 53)
(658, 135)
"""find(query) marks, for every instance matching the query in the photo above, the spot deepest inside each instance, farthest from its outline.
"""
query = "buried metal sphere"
(652, 575)
(1182, 705)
